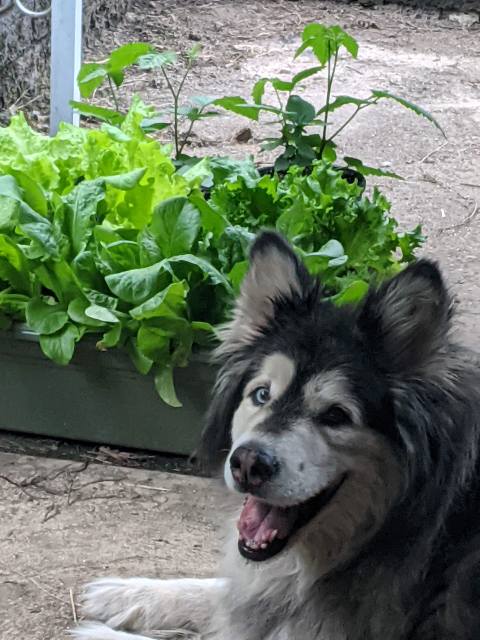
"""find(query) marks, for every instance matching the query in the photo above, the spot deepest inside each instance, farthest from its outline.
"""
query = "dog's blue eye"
(260, 395)
(335, 416)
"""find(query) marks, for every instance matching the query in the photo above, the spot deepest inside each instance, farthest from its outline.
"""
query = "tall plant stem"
(186, 136)
(331, 74)
(280, 103)
(176, 95)
(171, 88)
(112, 91)
(348, 120)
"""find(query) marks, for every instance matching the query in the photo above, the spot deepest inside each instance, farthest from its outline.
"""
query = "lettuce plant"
(306, 132)
(101, 236)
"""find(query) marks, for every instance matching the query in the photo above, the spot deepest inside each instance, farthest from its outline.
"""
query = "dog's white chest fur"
(279, 593)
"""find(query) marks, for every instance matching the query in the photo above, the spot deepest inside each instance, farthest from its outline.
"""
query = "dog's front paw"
(96, 631)
(131, 604)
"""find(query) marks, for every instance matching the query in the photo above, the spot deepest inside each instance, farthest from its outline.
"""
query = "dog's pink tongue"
(261, 522)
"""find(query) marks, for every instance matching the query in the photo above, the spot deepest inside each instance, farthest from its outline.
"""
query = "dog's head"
(304, 405)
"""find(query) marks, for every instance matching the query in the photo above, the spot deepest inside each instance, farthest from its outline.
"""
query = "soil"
(52, 542)
(63, 523)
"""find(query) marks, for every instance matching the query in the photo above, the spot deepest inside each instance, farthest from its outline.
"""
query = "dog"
(353, 436)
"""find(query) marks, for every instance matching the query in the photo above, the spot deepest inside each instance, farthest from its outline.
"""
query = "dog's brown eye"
(335, 416)
(260, 396)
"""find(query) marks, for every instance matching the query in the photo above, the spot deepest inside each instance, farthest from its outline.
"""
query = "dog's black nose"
(252, 466)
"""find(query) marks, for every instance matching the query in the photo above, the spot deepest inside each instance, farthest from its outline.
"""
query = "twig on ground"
(21, 107)
(429, 155)
(470, 184)
(106, 496)
(68, 468)
(74, 611)
(38, 481)
(145, 486)
(47, 591)
(69, 492)
(72, 500)
(99, 481)
(463, 223)
(11, 481)
(51, 511)
(22, 488)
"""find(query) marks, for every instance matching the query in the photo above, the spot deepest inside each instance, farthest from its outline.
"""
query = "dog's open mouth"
(264, 529)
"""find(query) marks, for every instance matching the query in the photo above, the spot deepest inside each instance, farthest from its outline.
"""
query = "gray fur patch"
(272, 274)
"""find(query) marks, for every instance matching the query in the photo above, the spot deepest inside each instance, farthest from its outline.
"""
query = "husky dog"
(353, 434)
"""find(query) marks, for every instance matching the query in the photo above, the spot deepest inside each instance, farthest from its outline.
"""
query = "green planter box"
(98, 397)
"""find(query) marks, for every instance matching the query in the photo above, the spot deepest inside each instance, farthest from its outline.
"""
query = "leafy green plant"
(78, 244)
(112, 71)
(93, 75)
(101, 235)
(197, 107)
(306, 131)
(340, 233)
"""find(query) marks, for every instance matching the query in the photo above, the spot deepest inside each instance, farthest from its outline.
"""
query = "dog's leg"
(143, 605)
(96, 631)
(102, 632)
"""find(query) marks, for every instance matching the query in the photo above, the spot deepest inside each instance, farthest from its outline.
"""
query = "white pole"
(66, 47)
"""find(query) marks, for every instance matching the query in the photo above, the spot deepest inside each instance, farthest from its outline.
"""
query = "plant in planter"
(84, 246)
(103, 234)
(99, 234)
(306, 131)
(347, 238)
(112, 71)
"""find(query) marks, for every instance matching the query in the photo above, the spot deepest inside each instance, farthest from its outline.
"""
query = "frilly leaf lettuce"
(100, 234)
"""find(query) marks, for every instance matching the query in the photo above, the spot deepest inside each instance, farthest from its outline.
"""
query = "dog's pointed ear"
(406, 320)
(275, 274)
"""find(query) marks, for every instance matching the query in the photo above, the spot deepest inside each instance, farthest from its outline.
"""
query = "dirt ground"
(62, 523)
(57, 532)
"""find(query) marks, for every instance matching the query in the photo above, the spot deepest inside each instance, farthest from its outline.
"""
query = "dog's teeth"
(263, 545)
(273, 535)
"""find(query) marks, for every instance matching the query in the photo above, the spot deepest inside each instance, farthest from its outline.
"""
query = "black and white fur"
(395, 553)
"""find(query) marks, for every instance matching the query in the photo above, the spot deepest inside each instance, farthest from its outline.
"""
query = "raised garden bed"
(98, 398)
(112, 252)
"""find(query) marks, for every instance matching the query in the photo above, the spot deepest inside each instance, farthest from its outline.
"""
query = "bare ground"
(62, 523)
(50, 543)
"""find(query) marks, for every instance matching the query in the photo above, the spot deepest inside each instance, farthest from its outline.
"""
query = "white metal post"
(66, 47)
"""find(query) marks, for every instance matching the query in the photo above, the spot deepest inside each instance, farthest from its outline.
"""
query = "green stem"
(282, 120)
(331, 73)
(187, 135)
(348, 120)
(182, 82)
(175, 109)
(179, 90)
(280, 103)
(112, 91)
(176, 96)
